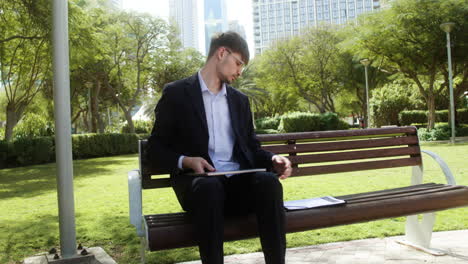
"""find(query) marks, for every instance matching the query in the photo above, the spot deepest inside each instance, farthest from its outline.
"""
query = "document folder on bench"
(312, 203)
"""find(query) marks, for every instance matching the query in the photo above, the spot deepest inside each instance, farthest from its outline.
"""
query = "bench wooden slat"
(355, 155)
(179, 232)
(411, 187)
(322, 169)
(403, 194)
(338, 133)
(341, 145)
(149, 183)
(357, 166)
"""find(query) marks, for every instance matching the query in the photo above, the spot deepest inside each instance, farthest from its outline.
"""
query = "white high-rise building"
(279, 19)
(185, 14)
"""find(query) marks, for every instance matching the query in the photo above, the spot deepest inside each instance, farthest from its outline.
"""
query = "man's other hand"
(197, 164)
(282, 166)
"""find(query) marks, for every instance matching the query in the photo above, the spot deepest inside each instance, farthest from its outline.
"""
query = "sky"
(240, 10)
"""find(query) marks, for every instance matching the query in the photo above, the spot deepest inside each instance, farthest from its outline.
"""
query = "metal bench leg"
(418, 229)
(142, 249)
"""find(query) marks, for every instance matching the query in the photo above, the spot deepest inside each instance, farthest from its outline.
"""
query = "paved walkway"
(370, 251)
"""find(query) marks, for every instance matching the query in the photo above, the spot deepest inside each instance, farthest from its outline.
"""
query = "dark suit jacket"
(181, 128)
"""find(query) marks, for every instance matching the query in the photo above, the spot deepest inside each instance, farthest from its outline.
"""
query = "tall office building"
(215, 19)
(279, 19)
(185, 14)
(234, 25)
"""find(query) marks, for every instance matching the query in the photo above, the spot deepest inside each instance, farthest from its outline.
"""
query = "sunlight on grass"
(29, 222)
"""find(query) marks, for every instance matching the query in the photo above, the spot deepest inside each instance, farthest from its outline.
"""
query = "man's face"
(230, 65)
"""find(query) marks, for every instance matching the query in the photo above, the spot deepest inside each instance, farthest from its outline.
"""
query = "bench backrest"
(326, 152)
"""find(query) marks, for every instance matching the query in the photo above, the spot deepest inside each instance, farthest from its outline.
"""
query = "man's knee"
(268, 181)
(208, 188)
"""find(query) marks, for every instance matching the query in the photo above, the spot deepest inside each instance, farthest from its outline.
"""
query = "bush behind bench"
(300, 122)
(38, 150)
(407, 118)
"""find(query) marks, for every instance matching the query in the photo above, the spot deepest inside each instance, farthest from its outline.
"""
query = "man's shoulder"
(179, 85)
(236, 92)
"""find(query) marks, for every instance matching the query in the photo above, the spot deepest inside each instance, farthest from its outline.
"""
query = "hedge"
(441, 132)
(29, 151)
(407, 118)
(302, 122)
(268, 123)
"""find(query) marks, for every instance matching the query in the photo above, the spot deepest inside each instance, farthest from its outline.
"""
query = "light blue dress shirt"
(221, 134)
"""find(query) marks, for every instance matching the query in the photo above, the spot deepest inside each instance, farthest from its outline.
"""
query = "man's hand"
(282, 166)
(197, 164)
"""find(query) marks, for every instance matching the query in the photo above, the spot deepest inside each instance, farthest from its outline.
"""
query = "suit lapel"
(193, 89)
(233, 110)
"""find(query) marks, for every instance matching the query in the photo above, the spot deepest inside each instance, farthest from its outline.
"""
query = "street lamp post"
(447, 28)
(366, 63)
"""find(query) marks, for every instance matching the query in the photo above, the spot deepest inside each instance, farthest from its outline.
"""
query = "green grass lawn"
(29, 221)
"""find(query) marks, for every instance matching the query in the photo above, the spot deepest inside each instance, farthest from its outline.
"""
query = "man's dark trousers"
(209, 199)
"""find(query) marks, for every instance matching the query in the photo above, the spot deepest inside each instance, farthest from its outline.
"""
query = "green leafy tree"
(387, 102)
(24, 56)
(308, 64)
(273, 97)
(175, 62)
(409, 38)
(134, 42)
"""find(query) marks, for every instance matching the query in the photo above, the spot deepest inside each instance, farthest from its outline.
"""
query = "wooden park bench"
(313, 154)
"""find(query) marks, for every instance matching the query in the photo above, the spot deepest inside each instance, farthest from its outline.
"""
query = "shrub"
(420, 117)
(424, 134)
(268, 122)
(266, 131)
(387, 102)
(28, 151)
(462, 131)
(407, 118)
(441, 116)
(99, 145)
(462, 116)
(299, 122)
(441, 131)
(302, 122)
(5, 150)
(33, 125)
(331, 121)
(141, 127)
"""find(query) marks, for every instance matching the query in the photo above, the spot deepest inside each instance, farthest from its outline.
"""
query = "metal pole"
(452, 107)
(63, 150)
(367, 99)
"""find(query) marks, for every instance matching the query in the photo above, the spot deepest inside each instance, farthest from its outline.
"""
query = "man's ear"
(221, 52)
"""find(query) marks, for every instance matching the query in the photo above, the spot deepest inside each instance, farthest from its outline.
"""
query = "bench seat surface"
(177, 231)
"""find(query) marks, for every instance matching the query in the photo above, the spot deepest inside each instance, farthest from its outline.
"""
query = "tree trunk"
(96, 120)
(128, 117)
(14, 113)
(431, 111)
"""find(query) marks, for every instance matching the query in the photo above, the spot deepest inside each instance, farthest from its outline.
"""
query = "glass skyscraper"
(278, 19)
(215, 19)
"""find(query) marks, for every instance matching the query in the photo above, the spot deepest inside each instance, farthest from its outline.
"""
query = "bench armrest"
(448, 174)
(135, 201)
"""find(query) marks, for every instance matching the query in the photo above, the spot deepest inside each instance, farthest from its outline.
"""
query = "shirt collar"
(204, 88)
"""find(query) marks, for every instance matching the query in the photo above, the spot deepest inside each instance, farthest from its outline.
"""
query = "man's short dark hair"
(231, 40)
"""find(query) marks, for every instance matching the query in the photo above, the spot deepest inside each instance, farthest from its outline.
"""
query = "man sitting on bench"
(205, 125)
